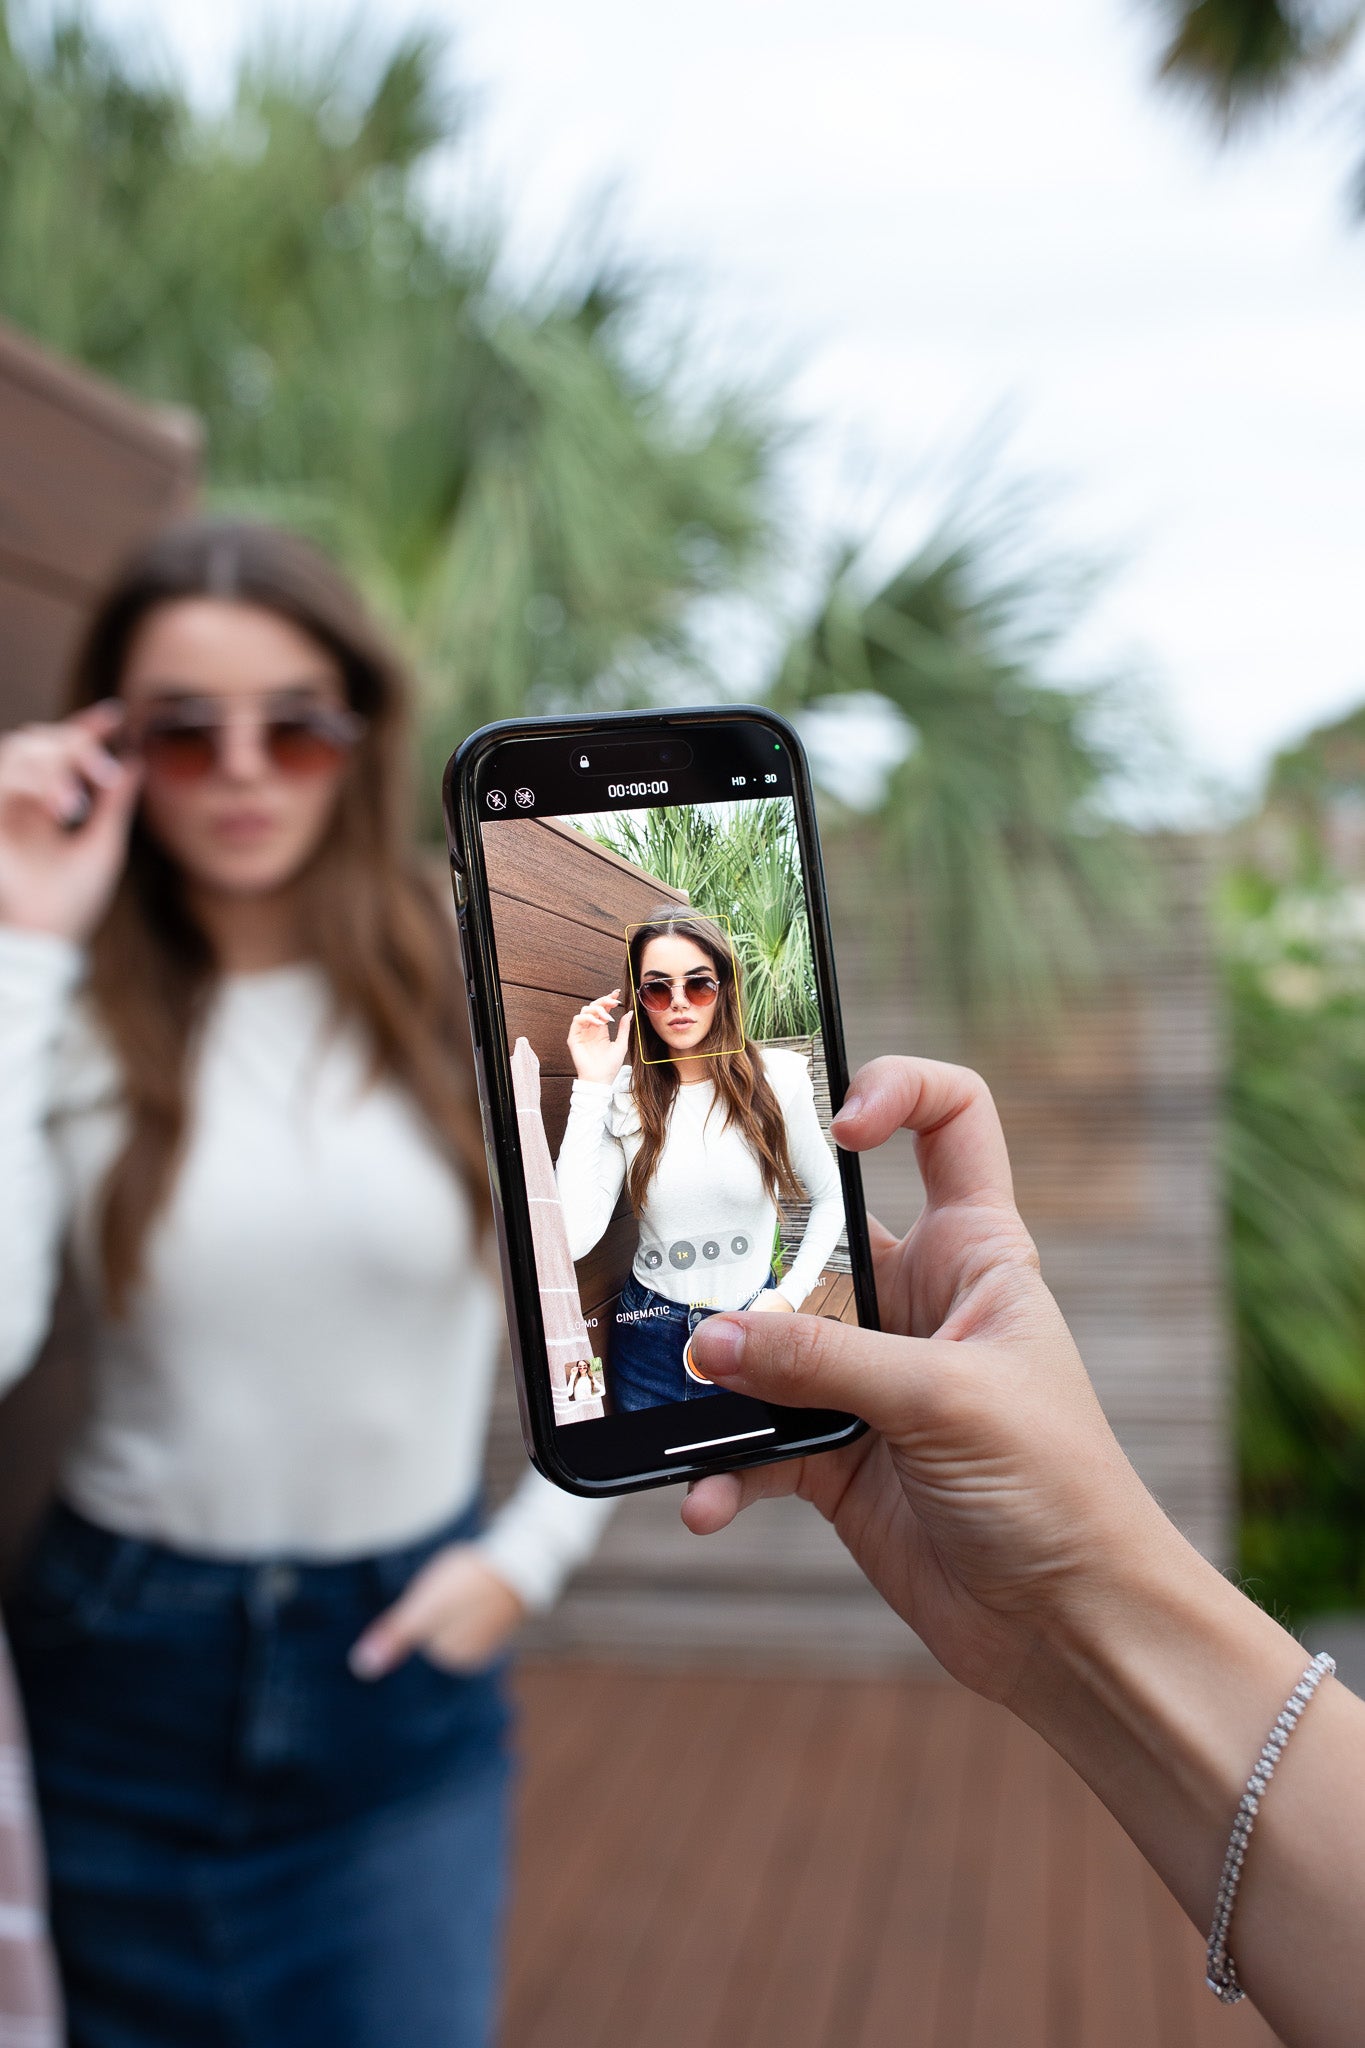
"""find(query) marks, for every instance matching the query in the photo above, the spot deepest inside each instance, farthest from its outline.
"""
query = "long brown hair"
(374, 920)
(741, 1083)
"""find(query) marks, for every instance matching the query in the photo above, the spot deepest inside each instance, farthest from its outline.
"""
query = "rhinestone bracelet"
(1222, 1972)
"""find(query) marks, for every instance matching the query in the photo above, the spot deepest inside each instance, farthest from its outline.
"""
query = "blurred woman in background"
(256, 1635)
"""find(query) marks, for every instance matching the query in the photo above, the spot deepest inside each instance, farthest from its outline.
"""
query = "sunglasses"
(701, 990)
(186, 746)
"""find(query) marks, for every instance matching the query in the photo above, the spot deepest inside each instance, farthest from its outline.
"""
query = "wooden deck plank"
(1066, 1882)
(1010, 1991)
(966, 1877)
(678, 1995)
(568, 1835)
(908, 1975)
(1118, 1996)
(815, 1862)
(796, 1999)
(633, 1903)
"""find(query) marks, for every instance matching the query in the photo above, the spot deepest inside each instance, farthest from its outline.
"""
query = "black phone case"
(497, 1109)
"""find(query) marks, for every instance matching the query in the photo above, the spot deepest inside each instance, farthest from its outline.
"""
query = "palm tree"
(997, 817)
(516, 476)
(1241, 55)
(739, 864)
(520, 485)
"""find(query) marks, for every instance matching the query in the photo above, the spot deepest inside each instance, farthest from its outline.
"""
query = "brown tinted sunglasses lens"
(180, 753)
(306, 746)
(296, 746)
(700, 990)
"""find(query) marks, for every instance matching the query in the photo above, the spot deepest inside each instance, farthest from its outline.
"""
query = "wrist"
(16, 918)
(1158, 1682)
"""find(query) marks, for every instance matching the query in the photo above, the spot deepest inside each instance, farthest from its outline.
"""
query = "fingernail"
(853, 1105)
(718, 1344)
(366, 1659)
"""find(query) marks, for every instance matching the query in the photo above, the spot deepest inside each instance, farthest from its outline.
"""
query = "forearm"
(590, 1168)
(1159, 1690)
(37, 975)
(539, 1536)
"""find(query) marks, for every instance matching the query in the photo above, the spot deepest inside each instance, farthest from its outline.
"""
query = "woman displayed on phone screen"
(711, 1135)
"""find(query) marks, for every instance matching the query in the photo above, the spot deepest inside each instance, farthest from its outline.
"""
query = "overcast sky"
(928, 212)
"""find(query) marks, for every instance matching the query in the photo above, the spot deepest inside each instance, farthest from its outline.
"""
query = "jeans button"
(278, 1583)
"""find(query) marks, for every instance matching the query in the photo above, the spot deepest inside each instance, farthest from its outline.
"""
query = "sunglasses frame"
(658, 981)
(336, 725)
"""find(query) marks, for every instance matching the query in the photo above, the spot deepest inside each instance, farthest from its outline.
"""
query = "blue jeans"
(648, 1336)
(248, 1846)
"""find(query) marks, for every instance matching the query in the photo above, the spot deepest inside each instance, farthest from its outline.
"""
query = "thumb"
(815, 1362)
(623, 1028)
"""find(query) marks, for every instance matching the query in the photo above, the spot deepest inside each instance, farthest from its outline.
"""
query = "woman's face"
(246, 827)
(683, 1026)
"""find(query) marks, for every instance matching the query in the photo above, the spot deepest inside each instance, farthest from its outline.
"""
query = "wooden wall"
(1110, 1106)
(85, 473)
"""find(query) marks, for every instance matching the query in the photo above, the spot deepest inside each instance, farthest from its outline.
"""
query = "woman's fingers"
(46, 784)
(623, 1028)
(599, 1012)
(959, 1142)
(103, 718)
(61, 767)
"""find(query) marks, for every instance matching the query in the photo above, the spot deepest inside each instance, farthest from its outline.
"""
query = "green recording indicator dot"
(777, 746)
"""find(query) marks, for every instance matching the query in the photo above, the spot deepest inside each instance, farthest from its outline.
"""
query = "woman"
(992, 1507)
(710, 1134)
(254, 1638)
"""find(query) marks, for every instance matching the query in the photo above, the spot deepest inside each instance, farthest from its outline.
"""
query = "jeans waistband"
(133, 1568)
(640, 1301)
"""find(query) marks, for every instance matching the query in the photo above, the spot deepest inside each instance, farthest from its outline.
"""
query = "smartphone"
(656, 1030)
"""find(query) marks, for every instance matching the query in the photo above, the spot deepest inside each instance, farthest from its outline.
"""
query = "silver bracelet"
(1222, 1972)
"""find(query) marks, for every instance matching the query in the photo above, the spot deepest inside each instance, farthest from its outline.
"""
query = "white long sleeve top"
(307, 1366)
(706, 1235)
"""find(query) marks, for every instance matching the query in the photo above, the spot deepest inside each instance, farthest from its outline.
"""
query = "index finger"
(959, 1143)
(104, 717)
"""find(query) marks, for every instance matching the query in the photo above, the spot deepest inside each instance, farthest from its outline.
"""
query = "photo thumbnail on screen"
(669, 1077)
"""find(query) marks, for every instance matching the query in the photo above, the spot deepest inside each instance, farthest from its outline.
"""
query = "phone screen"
(665, 1027)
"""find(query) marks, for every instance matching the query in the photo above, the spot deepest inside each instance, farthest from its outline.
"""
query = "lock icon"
(582, 760)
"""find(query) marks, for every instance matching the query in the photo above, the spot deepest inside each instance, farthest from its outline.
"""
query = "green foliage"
(1240, 55)
(1294, 952)
(536, 511)
(1294, 1172)
(519, 478)
(997, 815)
(1240, 52)
(739, 865)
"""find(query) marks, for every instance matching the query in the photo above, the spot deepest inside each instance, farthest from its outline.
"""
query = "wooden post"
(567, 1344)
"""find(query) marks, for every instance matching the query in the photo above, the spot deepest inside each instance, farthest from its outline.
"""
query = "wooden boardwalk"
(724, 1860)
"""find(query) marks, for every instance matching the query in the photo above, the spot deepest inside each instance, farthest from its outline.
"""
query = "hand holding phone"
(656, 1092)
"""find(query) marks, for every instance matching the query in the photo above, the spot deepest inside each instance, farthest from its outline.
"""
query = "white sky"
(925, 212)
